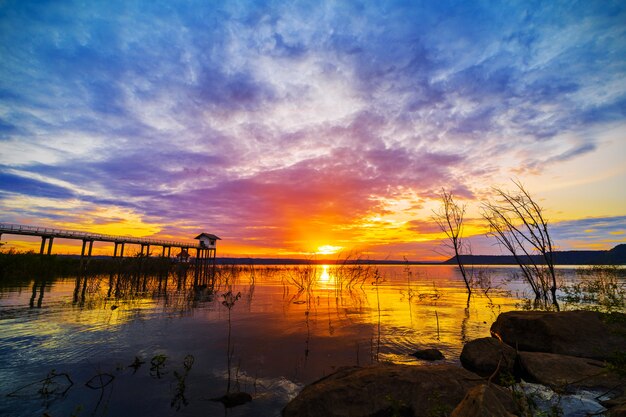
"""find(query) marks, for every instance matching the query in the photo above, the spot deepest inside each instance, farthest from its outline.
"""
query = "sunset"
(312, 208)
(288, 127)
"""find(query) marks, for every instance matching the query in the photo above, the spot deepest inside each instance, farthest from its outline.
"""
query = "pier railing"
(20, 229)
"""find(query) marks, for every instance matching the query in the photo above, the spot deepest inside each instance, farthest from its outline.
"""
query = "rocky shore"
(568, 353)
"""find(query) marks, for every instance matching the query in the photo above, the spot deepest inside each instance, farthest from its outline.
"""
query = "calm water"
(288, 327)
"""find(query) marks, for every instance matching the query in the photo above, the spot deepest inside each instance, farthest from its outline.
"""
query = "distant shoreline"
(615, 256)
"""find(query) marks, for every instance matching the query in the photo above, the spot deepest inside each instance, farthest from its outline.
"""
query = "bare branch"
(449, 218)
(517, 222)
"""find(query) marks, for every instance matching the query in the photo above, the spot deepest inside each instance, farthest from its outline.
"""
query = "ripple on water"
(281, 343)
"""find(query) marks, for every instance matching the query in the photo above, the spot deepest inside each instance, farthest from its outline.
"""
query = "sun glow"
(324, 275)
(328, 250)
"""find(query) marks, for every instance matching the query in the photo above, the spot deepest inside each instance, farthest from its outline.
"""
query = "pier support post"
(197, 268)
(42, 248)
(82, 267)
(214, 262)
(50, 245)
(122, 251)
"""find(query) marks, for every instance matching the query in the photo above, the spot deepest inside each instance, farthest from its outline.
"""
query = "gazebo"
(207, 240)
(205, 255)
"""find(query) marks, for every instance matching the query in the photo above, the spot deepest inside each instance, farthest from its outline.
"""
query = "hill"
(615, 256)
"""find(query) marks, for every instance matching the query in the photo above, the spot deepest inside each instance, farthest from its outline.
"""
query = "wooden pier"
(205, 249)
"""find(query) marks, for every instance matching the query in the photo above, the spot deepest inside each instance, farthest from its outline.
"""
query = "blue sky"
(285, 126)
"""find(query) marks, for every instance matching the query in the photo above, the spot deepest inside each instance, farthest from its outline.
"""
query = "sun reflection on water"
(296, 323)
(324, 277)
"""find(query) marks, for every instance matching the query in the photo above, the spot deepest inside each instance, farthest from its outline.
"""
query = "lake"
(147, 345)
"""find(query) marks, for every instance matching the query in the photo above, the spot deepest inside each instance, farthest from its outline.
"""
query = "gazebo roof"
(210, 236)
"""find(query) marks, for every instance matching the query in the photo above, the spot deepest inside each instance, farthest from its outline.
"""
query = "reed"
(601, 288)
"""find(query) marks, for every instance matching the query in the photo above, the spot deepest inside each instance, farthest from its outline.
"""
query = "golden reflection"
(424, 306)
(324, 276)
(390, 310)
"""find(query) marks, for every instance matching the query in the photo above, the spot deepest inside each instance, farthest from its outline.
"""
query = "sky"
(304, 128)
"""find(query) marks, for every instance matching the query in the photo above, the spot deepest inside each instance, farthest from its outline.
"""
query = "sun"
(328, 249)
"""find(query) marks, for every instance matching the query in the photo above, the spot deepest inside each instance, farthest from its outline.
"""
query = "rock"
(480, 401)
(618, 411)
(483, 356)
(386, 390)
(234, 399)
(586, 334)
(543, 401)
(573, 373)
(428, 354)
(616, 405)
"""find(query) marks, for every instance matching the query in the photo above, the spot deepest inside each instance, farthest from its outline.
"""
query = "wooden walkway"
(48, 235)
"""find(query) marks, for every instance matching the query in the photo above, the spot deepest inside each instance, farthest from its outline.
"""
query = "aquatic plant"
(410, 292)
(600, 288)
(136, 364)
(54, 385)
(350, 272)
(157, 364)
(229, 302)
(179, 398)
(377, 282)
(99, 382)
(303, 277)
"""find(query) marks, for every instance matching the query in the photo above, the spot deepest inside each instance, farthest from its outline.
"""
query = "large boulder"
(569, 372)
(387, 390)
(586, 334)
(487, 355)
(480, 401)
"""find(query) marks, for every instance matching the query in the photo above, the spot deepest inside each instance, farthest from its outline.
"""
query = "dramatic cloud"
(287, 126)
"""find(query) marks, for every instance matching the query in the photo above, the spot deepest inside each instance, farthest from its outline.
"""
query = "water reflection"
(324, 276)
(248, 329)
(39, 287)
